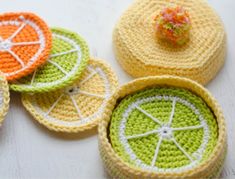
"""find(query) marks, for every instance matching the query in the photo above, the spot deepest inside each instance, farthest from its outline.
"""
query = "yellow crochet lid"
(78, 107)
(4, 97)
(140, 53)
(163, 127)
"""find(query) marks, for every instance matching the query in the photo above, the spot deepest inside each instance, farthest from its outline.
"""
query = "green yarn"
(169, 155)
(49, 77)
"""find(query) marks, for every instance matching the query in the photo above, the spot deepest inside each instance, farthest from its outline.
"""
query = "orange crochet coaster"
(25, 43)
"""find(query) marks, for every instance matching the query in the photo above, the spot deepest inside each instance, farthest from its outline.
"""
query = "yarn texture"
(25, 44)
(68, 59)
(78, 107)
(166, 129)
(141, 53)
(4, 97)
(163, 127)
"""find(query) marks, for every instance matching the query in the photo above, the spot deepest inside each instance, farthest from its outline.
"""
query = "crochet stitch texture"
(68, 59)
(4, 97)
(163, 127)
(79, 106)
(25, 44)
(140, 53)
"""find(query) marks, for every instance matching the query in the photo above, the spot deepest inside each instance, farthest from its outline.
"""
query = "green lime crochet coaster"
(163, 129)
(68, 59)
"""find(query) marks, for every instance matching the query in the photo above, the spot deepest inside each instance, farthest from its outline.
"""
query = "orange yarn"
(25, 43)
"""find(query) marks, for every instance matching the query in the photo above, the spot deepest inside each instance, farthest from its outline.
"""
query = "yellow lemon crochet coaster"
(140, 52)
(4, 97)
(78, 107)
(68, 59)
(163, 127)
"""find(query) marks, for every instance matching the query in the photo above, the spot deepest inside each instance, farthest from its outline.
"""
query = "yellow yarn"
(141, 54)
(78, 107)
(4, 97)
(118, 168)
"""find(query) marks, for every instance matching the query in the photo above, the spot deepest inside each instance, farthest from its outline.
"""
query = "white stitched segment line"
(17, 32)
(90, 94)
(149, 115)
(63, 53)
(188, 128)
(25, 43)
(33, 77)
(182, 150)
(88, 77)
(58, 66)
(76, 106)
(16, 57)
(172, 112)
(156, 152)
(142, 135)
(53, 106)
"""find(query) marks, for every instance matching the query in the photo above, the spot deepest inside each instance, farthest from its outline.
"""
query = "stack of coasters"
(25, 44)
(67, 60)
(163, 127)
(141, 53)
(77, 107)
(62, 87)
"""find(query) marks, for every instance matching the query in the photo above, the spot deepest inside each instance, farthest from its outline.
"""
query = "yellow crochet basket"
(140, 53)
(162, 127)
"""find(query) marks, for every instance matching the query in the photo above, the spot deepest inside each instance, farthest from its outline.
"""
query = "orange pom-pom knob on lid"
(173, 25)
(25, 44)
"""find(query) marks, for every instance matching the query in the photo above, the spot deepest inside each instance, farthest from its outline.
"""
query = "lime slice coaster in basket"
(78, 107)
(4, 98)
(66, 63)
(163, 130)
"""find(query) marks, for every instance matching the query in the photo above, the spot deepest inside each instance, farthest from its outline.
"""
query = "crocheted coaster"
(158, 128)
(25, 43)
(67, 61)
(78, 107)
(4, 97)
(141, 53)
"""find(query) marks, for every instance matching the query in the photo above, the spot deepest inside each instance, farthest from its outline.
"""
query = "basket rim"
(166, 80)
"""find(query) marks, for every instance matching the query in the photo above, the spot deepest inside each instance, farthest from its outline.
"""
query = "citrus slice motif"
(67, 61)
(78, 107)
(25, 43)
(4, 97)
(163, 130)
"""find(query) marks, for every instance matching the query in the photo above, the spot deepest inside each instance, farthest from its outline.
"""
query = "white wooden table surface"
(28, 150)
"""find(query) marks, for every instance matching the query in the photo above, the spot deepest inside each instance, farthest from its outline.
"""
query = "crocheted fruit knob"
(173, 25)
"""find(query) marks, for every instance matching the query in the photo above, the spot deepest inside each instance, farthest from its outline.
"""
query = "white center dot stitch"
(5, 45)
(165, 132)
